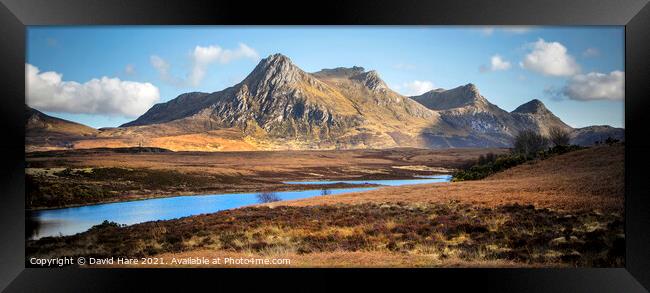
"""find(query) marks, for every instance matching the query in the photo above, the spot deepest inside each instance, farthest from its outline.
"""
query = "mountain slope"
(465, 108)
(38, 121)
(534, 115)
(591, 134)
(44, 132)
(488, 125)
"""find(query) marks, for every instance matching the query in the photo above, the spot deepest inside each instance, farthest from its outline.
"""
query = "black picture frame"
(15, 15)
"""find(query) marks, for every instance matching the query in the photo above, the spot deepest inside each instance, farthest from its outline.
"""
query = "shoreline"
(296, 188)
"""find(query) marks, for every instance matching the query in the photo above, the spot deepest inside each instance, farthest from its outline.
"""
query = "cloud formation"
(591, 52)
(201, 57)
(163, 70)
(414, 88)
(596, 86)
(550, 58)
(47, 91)
(497, 63)
(517, 30)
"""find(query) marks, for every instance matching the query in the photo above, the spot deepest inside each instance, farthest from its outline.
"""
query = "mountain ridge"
(280, 106)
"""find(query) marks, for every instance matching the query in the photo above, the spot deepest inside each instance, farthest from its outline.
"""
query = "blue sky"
(135, 66)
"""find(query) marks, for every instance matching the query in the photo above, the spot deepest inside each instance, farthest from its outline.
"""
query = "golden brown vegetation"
(430, 234)
(566, 210)
(590, 179)
(63, 178)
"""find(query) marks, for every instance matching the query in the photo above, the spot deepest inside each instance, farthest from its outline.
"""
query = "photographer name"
(112, 261)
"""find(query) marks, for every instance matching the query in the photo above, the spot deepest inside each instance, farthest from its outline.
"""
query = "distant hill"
(590, 134)
(45, 132)
(464, 107)
(280, 106)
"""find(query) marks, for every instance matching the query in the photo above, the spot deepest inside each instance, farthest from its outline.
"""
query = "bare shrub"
(559, 136)
(529, 143)
(266, 197)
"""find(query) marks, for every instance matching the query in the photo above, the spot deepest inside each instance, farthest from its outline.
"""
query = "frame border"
(15, 15)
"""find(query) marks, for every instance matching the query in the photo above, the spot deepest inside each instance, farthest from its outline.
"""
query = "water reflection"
(325, 192)
(265, 197)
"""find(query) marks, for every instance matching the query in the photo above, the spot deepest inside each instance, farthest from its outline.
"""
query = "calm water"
(390, 182)
(68, 221)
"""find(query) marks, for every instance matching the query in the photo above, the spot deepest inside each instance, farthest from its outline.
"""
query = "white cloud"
(496, 63)
(48, 91)
(596, 86)
(201, 57)
(415, 87)
(591, 52)
(163, 69)
(129, 69)
(550, 58)
(516, 30)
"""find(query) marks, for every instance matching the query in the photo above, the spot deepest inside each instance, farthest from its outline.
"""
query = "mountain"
(590, 134)
(460, 97)
(280, 106)
(464, 107)
(48, 132)
(534, 115)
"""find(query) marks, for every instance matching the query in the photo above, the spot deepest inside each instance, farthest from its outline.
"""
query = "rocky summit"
(280, 106)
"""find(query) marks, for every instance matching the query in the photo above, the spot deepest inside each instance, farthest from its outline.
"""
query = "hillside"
(592, 178)
(45, 132)
(591, 134)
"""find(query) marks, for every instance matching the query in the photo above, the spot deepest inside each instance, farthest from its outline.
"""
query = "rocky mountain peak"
(276, 63)
(273, 71)
(534, 106)
(440, 99)
(470, 87)
(277, 58)
(371, 80)
(345, 72)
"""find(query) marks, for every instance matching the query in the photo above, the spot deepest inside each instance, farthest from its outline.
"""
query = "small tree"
(559, 136)
(265, 197)
(529, 143)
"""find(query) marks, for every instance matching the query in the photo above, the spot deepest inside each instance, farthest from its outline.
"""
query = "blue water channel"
(69, 221)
